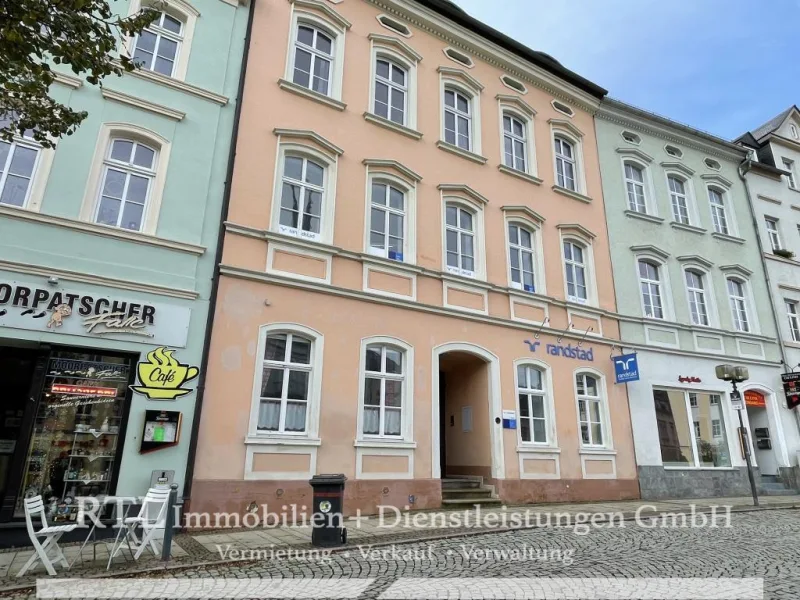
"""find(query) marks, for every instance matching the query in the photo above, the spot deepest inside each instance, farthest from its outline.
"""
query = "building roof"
(770, 126)
(451, 11)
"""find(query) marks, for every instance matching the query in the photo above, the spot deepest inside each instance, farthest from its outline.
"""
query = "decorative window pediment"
(635, 153)
(460, 189)
(306, 135)
(324, 9)
(577, 230)
(736, 269)
(694, 259)
(516, 102)
(680, 167)
(714, 178)
(525, 213)
(402, 170)
(463, 77)
(651, 250)
(565, 125)
(397, 45)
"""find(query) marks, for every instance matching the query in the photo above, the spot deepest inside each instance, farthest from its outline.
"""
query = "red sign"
(60, 388)
(757, 399)
(791, 386)
(683, 379)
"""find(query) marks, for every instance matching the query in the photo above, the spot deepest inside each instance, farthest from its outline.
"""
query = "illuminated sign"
(83, 390)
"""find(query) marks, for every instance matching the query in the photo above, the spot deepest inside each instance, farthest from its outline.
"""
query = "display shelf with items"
(73, 449)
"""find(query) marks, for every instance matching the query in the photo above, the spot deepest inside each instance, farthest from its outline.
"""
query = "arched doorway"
(765, 433)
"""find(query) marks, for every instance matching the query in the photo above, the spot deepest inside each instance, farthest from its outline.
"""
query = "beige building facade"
(415, 282)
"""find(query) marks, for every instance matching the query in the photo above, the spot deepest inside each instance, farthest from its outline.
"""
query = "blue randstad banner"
(626, 368)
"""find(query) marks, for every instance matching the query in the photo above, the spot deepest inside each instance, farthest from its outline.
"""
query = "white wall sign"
(41, 307)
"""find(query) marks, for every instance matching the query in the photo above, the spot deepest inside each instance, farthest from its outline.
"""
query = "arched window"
(302, 194)
(313, 58)
(521, 257)
(391, 90)
(285, 382)
(460, 238)
(129, 170)
(737, 293)
(591, 409)
(157, 47)
(719, 214)
(387, 233)
(457, 118)
(533, 404)
(678, 199)
(515, 144)
(634, 184)
(650, 283)
(695, 288)
(575, 271)
(565, 164)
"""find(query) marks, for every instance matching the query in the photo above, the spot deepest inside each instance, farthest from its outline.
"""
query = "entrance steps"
(467, 491)
(771, 485)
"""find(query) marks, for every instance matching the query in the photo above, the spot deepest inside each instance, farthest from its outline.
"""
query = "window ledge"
(399, 444)
(526, 449)
(728, 238)
(700, 468)
(777, 258)
(603, 451)
(791, 344)
(310, 94)
(685, 227)
(179, 85)
(521, 174)
(254, 440)
(643, 216)
(461, 152)
(570, 194)
(387, 124)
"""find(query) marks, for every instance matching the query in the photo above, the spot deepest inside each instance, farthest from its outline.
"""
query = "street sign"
(626, 368)
(791, 386)
(736, 401)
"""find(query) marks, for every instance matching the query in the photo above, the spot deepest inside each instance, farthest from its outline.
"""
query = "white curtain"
(295, 416)
(372, 420)
(269, 414)
(391, 422)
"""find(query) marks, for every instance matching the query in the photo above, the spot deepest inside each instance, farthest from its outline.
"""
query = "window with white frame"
(718, 212)
(521, 257)
(129, 170)
(575, 271)
(650, 284)
(794, 319)
(157, 47)
(515, 144)
(793, 130)
(773, 233)
(460, 239)
(18, 160)
(565, 164)
(384, 375)
(591, 411)
(285, 383)
(714, 399)
(695, 288)
(387, 232)
(391, 90)
(533, 405)
(313, 58)
(737, 293)
(634, 184)
(716, 428)
(788, 165)
(457, 118)
(678, 199)
(302, 195)
(692, 399)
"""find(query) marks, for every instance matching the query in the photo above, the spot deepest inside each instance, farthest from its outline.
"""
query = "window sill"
(570, 194)
(603, 451)
(689, 228)
(521, 174)
(399, 444)
(524, 448)
(481, 160)
(775, 257)
(643, 216)
(699, 468)
(728, 238)
(281, 440)
(310, 94)
(179, 85)
(387, 124)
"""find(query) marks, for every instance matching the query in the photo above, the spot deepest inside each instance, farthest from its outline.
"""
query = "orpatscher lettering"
(39, 296)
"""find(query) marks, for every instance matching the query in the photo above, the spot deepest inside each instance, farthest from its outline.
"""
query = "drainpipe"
(212, 304)
(744, 167)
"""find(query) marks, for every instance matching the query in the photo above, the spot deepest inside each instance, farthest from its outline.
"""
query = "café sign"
(45, 308)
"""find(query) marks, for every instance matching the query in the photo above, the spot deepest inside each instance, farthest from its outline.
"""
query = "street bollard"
(169, 525)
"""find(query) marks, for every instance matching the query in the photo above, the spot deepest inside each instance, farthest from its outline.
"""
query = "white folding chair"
(48, 550)
(152, 518)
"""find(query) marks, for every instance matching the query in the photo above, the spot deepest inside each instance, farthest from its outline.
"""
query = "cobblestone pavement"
(759, 544)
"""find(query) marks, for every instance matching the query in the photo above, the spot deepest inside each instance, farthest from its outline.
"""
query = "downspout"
(212, 304)
(744, 167)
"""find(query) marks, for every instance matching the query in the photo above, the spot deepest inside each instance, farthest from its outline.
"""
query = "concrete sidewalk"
(192, 549)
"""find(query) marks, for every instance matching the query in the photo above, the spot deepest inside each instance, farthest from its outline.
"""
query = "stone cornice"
(392, 164)
(463, 190)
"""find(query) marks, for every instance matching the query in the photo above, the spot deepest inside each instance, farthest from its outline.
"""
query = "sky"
(723, 66)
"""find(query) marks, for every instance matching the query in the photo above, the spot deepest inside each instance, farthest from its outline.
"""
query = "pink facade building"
(416, 283)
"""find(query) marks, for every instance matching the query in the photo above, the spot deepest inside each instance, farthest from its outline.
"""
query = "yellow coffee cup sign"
(161, 376)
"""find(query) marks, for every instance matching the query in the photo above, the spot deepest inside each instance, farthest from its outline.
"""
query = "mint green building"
(107, 254)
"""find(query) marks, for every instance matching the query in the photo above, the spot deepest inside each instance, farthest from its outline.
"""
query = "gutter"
(212, 305)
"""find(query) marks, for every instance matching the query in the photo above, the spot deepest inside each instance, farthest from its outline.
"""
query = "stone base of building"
(543, 491)
(658, 483)
(790, 476)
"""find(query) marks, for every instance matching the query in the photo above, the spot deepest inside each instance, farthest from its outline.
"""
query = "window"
(394, 25)
(285, 383)
(793, 130)
(532, 409)
(387, 221)
(391, 91)
(514, 84)
(772, 232)
(18, 161)
(631, 137)
(520, 243)
(565, 164)
(650, 284)
(384, 374)
(591, 416)
(457, 119)
(128, 174)
(673, 151)
(563, 108)
(458, 57)
(794, 320)
(575, 271)
(313, 59)
(736, 293)
(460, 240)
(157, 47)
(302, 193)
(712, 164)
(697, 297)
(514, 142)
(718, 215)
(691, 429)
(634, 183)
(677, 194)
(788, 165)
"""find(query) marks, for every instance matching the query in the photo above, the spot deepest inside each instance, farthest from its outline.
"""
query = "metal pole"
(169, 525)
(746, 442)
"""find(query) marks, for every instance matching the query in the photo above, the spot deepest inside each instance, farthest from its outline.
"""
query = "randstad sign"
(568, 351)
